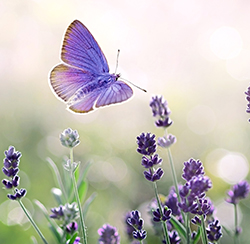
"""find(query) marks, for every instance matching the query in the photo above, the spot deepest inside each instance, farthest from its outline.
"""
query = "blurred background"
(195, 53)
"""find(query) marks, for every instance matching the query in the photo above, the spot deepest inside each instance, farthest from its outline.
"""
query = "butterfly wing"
(81, 50)
(115, 93)
(66, 80)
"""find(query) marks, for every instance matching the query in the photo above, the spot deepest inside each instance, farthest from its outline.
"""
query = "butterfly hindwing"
(66, 80)
(116, 93)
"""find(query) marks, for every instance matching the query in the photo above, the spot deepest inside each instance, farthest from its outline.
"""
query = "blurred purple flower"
(108, 235)
(69, 138)
(239, 191)
(166, 141)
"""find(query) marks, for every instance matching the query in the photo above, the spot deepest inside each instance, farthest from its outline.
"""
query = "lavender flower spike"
(108, 235)
(146, 144)
(160, 110)
(166, 141)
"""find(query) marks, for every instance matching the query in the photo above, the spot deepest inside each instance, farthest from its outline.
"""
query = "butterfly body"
(83, 80)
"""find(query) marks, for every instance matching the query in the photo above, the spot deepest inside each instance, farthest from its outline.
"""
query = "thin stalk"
(203, 231)
(32, 222)
(236, 239)
(165, 230)
(78, 199)
(187, 228)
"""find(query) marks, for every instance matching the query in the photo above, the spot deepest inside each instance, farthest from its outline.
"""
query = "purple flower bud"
(58, 213)
(150, 162)
(7, 184)
(166, 215)
(140, 234)
(135, 220)
(153, 176)
(214, 231)
(71, 227)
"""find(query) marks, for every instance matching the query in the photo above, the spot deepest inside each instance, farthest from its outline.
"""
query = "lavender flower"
(192, 168)
(146, 144)
(153, 175)
(68, 212)
(173, 237)
(248, 99)
(108, 235)
(129, 228)
(72, 227)
(150, 162)
(172, 202)
(137, 223)
(160, 110)
(214, 231)
(239, 191)
(10, 169)
(69, 138)
(166, 215)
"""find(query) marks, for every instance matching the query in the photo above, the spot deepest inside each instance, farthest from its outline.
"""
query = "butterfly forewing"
(81, 50)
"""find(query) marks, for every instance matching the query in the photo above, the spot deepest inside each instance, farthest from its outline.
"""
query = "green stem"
(203, 231)
(32, 222)
(78, 199)
(236, 239)
(187, 228)
(164, 226)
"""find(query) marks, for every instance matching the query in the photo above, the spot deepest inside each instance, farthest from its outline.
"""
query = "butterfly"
(83, 80)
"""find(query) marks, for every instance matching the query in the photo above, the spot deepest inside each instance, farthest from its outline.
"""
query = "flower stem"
(77, 198)
(236, 234)
(203, 231)
(32, 222)
(164, 226)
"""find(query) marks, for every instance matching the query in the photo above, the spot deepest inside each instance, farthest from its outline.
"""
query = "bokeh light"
(226, 42)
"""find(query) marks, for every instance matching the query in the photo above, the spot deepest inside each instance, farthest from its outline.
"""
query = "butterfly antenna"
(134, 84)
(117, 60)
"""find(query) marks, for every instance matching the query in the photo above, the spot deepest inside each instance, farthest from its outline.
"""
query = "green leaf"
(58, 178)
(179, 227)
(53, 226)
(72, 239)
(197, 236)
(88, 202)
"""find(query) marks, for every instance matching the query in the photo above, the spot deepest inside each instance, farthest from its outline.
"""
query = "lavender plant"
(185, 215)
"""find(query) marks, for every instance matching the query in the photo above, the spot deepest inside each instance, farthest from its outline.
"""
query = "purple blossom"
(166, 215)
(214, 232)
(239, 191)
(129, 228)
(136, 222)
(146, 144)
(153, 175)
(108, 235)
(151, 161)
(192, 168)
(160, 110)
(17, 195)
(58, 213)
(72, 227)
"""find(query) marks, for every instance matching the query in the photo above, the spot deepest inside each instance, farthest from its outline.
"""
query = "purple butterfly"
(83, 80)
